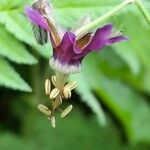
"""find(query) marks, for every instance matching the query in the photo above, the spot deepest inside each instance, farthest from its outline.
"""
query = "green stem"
(98, 21)
(143, 11)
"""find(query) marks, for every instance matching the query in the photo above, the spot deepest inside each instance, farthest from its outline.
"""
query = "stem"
(98, 21)
(143, 11)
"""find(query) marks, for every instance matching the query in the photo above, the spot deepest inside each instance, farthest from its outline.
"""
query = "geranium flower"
(69, 50)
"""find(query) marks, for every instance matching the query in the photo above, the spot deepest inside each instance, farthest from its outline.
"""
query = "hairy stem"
(101, 19)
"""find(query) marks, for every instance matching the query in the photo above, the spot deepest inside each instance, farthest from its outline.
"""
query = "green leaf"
(11, 79)
(129, 106)
(13, 49)
(88, 97)
(137, 49)
(81, 132)
(16, 23)
(114, 66)
(9, 4)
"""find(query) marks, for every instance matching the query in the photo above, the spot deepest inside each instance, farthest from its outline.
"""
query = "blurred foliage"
(77, 131)
(118, 78)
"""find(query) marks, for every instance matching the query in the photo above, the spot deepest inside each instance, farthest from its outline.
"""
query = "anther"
(47, 86)
(72, 84)
(44, 109)
(53, 78)
(66, 111)
(53, 121)
(66, 92)
(54, 93)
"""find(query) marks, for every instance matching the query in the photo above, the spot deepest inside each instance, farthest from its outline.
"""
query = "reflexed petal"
(100, 38)
(36, 17)
(68, 38)
(65, 49)
(44, 7)
(116, 39)
(55, 36)
(63, 56)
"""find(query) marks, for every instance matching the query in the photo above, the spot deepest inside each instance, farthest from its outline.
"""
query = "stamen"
(72, 85)
(66, 111)
(47, 87)
(53, 78)
(62, 90)
(54, 93)
(44, 109)
(53, 121)
(66, 92)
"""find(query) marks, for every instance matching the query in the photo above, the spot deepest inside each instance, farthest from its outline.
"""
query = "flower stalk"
(101, 19)
(143, 11)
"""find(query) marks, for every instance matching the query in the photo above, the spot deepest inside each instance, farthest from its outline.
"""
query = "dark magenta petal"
(64, 52)
(116, 39)
(100, 38)
(35, 17)
(63, 58)
(67, 40)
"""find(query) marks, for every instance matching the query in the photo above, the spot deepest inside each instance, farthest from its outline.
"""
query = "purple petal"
(67, 39)
(36, 17)
(100, 38)
(64, 52)
(63, 58)
(116, 39)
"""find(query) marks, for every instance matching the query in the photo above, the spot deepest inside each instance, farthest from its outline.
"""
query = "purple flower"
(68, 49)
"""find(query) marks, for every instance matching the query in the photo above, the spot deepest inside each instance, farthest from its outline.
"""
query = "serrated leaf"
(16, 23)
(129, 107)
(10, 78)
(13, 49)
(88, 97)
(137, 49)
(119, 69)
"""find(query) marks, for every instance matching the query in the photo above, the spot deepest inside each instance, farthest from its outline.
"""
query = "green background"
(111, 103)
